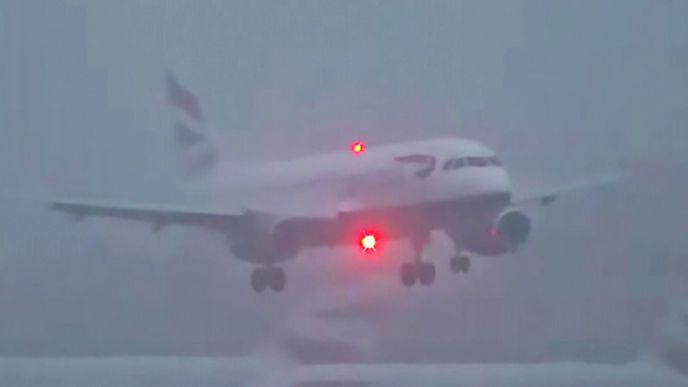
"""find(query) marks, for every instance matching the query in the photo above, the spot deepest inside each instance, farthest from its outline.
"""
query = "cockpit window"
(476, 161)
(456, 163)
(494, 160)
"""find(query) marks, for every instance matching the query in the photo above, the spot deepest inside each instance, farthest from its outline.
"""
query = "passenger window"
(494, 161)
(453, 164)
(477, 161)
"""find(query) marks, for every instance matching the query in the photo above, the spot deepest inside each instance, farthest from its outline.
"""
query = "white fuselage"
(404, 189)
(395, 175)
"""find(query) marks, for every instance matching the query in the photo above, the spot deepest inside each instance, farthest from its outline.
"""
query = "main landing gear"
(460, 264)
(268, 277)
(423, 272)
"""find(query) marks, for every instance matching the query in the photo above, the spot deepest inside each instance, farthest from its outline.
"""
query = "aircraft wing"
(303, 204)
(546, 196)
(159, 215)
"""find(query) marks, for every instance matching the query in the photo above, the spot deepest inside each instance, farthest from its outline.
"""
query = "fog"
(560, 89)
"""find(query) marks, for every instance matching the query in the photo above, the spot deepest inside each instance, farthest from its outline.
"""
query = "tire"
(408, 274)
(278, 279)
(259, 280)
(426, 273)
(465, 263)
(454, 265)
(460, 264)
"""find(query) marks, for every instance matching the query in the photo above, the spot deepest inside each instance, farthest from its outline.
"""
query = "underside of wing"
(158, 215)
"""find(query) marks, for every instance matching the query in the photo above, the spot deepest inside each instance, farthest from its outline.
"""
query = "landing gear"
(460, 264)
(272, 277)
(279, 280)
(408, 274)
(259, 280)
(426, 273)
(423, 272)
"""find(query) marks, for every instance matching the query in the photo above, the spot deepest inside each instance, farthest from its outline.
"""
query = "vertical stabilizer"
(670, 346)
(194, 139)
(670, 342)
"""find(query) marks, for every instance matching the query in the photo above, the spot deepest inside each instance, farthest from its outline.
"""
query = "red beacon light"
(358, 147)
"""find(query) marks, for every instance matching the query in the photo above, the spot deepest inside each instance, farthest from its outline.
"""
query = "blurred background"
(560, 89)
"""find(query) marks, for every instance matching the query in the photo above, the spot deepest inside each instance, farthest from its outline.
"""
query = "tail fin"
(183, 99)
(193, 138)
(669, 345)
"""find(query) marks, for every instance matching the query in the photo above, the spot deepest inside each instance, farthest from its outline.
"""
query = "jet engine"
(509, 230)
(271, 241)
(513, 226)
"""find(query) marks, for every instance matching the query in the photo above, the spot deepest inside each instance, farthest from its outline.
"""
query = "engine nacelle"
(274, 240)
(513, 226)
(511, 229)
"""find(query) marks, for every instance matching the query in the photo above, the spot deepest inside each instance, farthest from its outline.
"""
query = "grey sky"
(559, 88)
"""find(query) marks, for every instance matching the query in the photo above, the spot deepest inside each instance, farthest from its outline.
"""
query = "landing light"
(368, 242)
(358, 147)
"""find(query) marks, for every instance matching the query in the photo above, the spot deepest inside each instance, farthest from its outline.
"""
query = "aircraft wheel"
(278, 279)
(426, 273)
(408, 274)
(259, 280)
(460, 264)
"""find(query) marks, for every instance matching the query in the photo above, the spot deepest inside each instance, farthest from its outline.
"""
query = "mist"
(560, 89)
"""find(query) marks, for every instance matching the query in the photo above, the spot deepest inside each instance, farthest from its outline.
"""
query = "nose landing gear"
(423, 272)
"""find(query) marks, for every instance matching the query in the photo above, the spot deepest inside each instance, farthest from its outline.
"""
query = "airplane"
(363, 196)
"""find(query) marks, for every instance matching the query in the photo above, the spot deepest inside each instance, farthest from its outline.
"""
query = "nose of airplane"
(476, 182)
(497, 179)
(485, 181)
